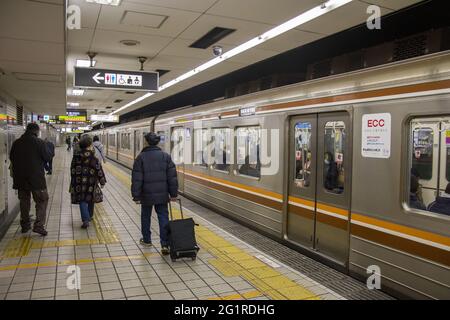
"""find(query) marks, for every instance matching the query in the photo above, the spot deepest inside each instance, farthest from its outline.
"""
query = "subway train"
(326, 167)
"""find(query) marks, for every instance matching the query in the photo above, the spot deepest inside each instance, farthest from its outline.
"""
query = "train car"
(325, 166)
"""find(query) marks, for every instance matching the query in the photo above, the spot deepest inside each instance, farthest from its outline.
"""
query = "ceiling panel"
(245, 30)
(192, 5)
(290, 40)
(352, 14)
(26, 20)
(177, 20)
(89, 13)
(81, 38)
(265, 11)
(31, 51)
(393, 4)
(109, 42)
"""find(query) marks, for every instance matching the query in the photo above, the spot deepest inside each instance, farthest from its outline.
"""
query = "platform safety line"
(233, 261)
(106, 234)
(76, 262)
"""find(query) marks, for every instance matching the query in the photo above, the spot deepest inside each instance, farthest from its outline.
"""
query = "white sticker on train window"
(376, 135)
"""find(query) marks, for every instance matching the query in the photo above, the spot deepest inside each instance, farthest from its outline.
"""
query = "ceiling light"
(272, 33)
(73, 104)
(77, 92)
(82, 63)
(130, 43)
(106, 2)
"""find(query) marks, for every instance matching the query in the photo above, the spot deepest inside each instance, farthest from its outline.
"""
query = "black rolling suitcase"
(182, 241)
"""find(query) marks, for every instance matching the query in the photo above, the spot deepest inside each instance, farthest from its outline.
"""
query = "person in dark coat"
(86, 175)
(69, 143)
(28, 156)
(442, 203)
(51, 149)
(414, 201)
(154, 183)
(331, 172)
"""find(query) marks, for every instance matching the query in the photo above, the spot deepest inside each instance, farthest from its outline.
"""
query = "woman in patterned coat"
(86, 175)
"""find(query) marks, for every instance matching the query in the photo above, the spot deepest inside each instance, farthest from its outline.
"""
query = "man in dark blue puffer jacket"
(154, 183)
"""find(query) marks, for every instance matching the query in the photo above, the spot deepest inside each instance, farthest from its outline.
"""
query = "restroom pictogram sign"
(116, 79)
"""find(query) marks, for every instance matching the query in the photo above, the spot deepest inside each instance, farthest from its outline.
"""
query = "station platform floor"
(234, 262)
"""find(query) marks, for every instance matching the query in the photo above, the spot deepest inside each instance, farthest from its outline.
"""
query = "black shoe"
(40, 230)
(26, 229)
(147, 244)
(85, 225)
(165, 250)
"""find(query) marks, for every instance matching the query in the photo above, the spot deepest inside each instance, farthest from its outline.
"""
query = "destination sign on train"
(116, 79)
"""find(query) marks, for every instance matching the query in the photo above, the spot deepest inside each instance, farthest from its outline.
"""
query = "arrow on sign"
(96, 78)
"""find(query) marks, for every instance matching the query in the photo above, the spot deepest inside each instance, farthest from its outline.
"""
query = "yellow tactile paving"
(106, 234)
(233, 261)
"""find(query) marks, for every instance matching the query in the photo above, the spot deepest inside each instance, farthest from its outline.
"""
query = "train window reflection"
(422, 158)
(177, 139)
(303, 154)
(334, 146)
(248, 151)
(222, 149)
(201, 147)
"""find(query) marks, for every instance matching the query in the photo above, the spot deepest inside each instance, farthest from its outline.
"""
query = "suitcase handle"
(170, 209)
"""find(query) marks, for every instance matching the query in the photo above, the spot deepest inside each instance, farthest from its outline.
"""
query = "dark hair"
(152, 138)
(85, 141)
(96, 138)
(414, 184)
(447, 190)
(33, 128)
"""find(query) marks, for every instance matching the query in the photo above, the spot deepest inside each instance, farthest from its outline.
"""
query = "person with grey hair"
(87, 179)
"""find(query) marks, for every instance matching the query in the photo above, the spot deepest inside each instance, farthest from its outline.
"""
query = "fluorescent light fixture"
(73, 104)
(303, 18)
(83, 63)
(145, 96)
(77, 92)
(106, 2)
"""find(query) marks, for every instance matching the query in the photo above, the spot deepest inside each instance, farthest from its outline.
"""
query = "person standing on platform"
(154, 182)
(28, 156)
(69, 143)
(99, 150)
(86, 175)
(51, 148)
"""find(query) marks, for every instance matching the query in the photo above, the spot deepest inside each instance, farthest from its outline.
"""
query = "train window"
(222, 149)
(125, 141)
(302, 154)
(334, 146)
(201, 147)
(248, 151)
(112, 140)
(422, 153)
(429, 187)
(162, 135)
(177, 139)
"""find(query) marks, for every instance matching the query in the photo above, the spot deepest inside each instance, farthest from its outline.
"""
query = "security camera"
(217, 50)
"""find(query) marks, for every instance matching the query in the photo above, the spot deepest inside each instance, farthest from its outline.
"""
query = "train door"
(319, 183)
(177, 146)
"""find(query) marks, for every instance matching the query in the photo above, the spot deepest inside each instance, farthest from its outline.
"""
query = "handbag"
(98, 194)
